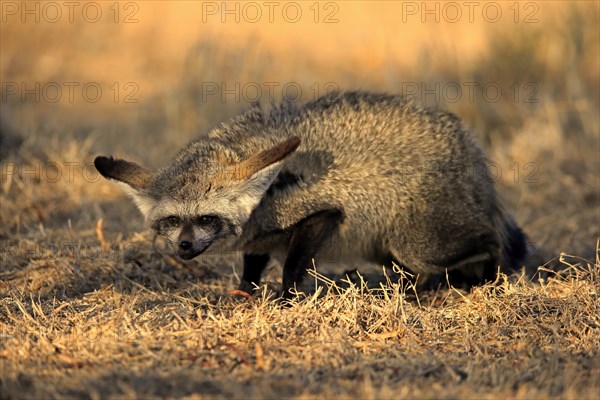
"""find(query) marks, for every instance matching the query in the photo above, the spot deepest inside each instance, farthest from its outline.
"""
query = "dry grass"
(92, 307)
(87, 326)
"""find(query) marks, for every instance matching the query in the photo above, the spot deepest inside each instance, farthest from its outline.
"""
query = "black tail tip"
(515, 250)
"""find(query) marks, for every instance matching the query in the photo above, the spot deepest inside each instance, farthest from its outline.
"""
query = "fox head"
(200, 203)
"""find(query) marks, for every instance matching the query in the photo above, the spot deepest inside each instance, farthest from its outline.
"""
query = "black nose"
(185, 245)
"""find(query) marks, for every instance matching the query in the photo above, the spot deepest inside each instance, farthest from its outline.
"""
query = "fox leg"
(307, 238)
(254, 265)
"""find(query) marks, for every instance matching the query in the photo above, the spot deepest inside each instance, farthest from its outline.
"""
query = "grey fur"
(411, 182)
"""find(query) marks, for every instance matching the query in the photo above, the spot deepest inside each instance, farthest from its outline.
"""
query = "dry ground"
(92, 307)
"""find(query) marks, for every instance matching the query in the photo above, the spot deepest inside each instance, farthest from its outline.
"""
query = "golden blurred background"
(165, 54)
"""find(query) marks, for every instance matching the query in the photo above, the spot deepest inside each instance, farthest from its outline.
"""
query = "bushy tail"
(513, 241)
(514, 249)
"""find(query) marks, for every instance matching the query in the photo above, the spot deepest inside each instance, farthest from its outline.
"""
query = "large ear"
(123, 171)
(256, 174)
(132, 177)
(250, 167)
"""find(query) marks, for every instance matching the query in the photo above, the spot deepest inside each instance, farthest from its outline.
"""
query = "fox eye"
(173, 221)
(205, 219)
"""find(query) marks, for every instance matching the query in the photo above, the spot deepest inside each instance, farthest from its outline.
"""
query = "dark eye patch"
(209, 223)
(166, 223)
(206, 220)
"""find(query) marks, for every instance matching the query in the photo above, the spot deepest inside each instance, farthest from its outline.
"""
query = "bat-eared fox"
(348, 176)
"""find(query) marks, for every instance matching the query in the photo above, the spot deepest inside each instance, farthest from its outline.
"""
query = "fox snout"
(188, 250)
(187, 245)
